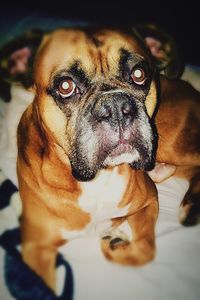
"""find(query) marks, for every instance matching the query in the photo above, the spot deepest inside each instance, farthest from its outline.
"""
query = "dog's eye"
(66, 88)
(138, 76)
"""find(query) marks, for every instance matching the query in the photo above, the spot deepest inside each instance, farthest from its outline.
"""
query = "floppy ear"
(163, 48)
(16, 61)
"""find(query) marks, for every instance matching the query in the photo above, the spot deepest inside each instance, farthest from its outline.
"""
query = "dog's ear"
(163, 48)
(16, 61)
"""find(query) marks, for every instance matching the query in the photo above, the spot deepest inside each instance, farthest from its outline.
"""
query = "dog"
(87, 145)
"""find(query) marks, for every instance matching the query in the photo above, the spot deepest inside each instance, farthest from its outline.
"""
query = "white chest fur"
(101, 198)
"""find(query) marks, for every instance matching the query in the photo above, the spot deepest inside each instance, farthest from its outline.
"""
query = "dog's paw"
(120, 250)
(115, 238)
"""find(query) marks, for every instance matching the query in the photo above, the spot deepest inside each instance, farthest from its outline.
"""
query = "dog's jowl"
(87, 140)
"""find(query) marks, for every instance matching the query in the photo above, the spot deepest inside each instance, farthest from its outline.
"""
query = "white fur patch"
(110, 184)
(101, 208)
(123, 231)
(125, 227)
(122, 158)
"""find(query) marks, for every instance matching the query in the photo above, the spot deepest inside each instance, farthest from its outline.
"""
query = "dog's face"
(96, 95)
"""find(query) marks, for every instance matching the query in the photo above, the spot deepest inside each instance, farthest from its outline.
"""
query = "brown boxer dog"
(88, 138)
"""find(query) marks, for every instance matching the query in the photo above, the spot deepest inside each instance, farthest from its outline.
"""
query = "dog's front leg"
(40, 242)
(41, 259)
(141, 248)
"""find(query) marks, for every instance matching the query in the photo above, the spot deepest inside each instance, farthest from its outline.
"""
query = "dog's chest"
(101, 198)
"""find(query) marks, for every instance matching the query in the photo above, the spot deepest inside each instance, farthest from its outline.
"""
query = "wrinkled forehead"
(94, 51)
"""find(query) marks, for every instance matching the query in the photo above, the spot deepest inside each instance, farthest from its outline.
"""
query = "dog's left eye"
(66, 87)
(138, 76)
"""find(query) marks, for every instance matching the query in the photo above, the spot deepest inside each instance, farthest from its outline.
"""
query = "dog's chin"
(83, 173)
(136, 159)
(86, 174)
(122, 154)
(121, 158)
(132, 158)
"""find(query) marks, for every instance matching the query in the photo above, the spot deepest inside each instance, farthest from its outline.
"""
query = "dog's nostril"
(105, 112)
(126, 109)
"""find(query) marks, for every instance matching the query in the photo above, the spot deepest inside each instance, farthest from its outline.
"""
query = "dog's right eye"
(138, 76)
(66, 88)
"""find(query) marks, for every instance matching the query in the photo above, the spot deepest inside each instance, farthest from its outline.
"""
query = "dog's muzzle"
(113, 129)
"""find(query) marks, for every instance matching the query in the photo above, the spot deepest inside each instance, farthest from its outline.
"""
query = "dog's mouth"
(121, 148)
(122, 153)
(135, 154)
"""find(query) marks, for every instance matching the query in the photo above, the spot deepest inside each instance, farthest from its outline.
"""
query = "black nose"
(114, 108)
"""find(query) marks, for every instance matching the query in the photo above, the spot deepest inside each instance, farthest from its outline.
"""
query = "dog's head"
(96, 95)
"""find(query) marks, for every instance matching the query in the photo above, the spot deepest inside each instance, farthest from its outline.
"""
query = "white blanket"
(173, 275)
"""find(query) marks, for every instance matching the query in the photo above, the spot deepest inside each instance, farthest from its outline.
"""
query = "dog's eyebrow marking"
(77, 71)
(125, 55)
(127, 60)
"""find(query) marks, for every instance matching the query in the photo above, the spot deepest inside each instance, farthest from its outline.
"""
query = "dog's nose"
(114, 109)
